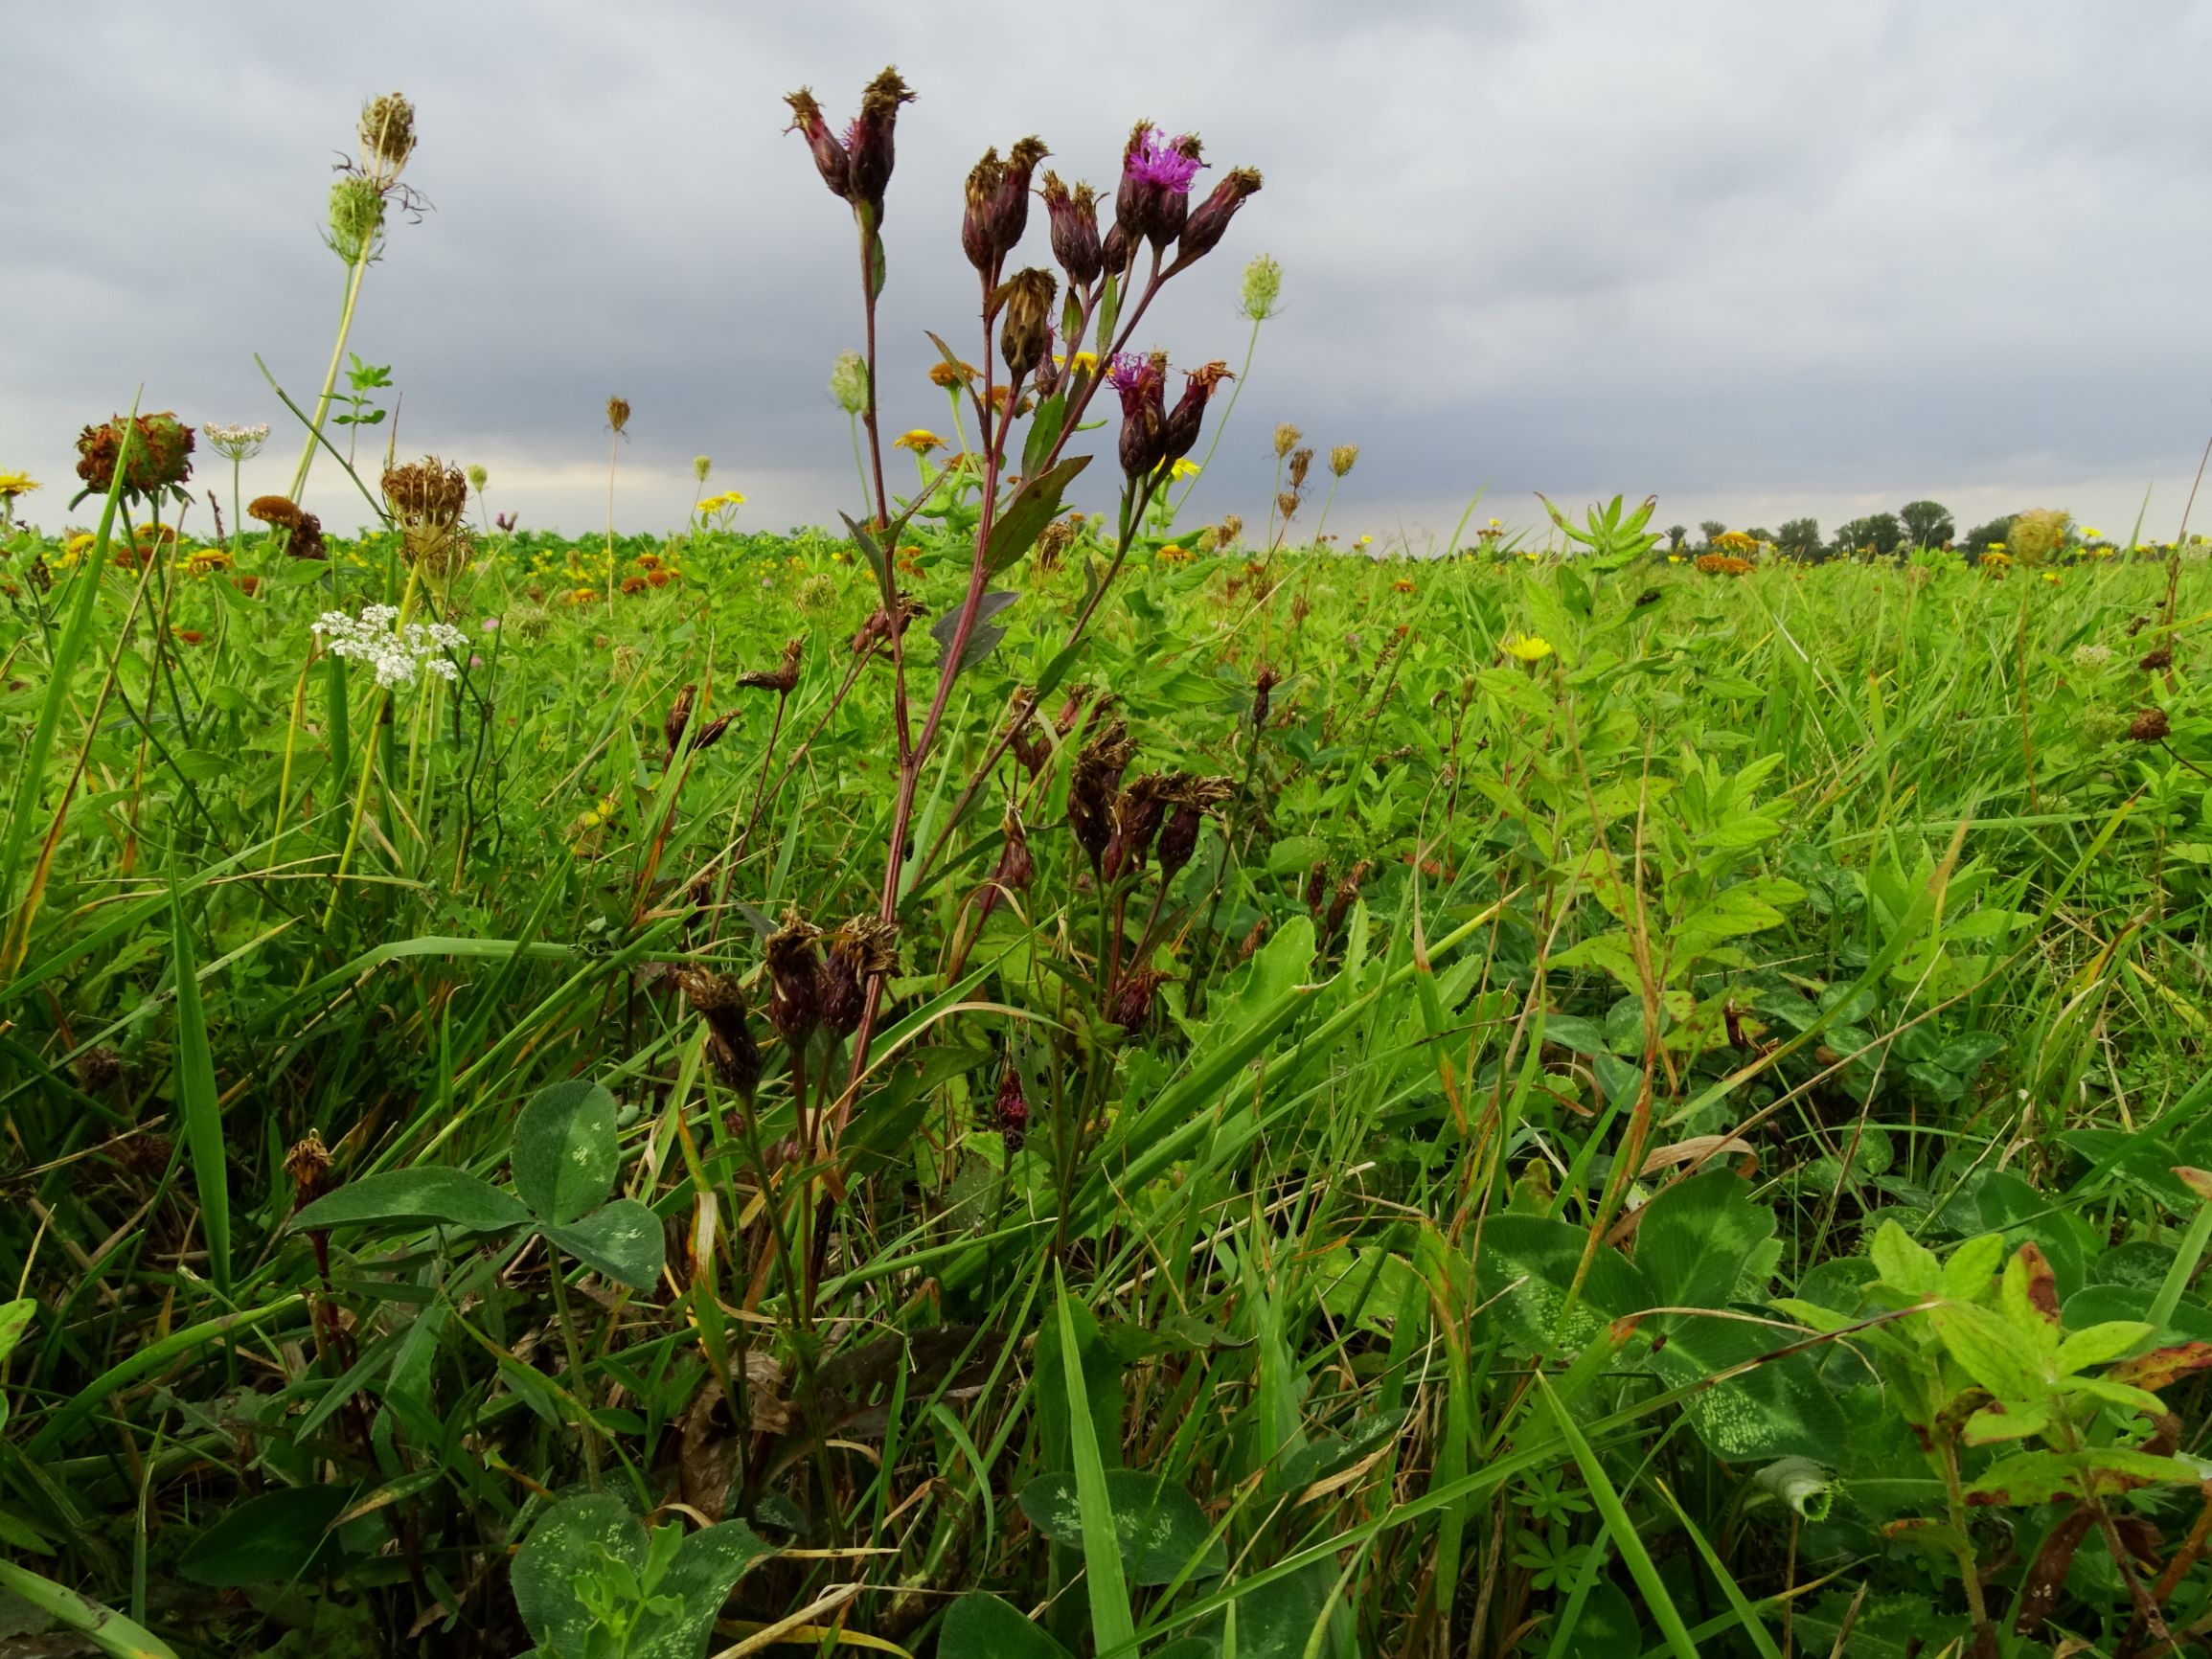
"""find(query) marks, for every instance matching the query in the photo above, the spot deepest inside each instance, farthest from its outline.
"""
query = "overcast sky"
(1761, 260)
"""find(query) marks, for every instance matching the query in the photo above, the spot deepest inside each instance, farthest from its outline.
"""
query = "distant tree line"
(1918, 526)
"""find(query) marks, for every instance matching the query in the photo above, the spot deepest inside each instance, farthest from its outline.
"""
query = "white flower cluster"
(396, 654)
(237, 442)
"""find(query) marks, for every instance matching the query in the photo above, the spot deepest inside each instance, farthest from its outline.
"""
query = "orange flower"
(657, 578)
(1400, 585)
(582, 594)
(1723, 564)
(249, 585)
(649, 561)
(633, 584)
(190, 636)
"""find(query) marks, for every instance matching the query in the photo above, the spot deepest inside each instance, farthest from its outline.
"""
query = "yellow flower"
(1185, 469)
(920, 439)
(717, 503)
(2090, 533)
(207, 558)
(1676, 557)
(2051, 577)
(1363, 541)
(582, 594)
(1172, 554)
(15, 484)
(1526, 647)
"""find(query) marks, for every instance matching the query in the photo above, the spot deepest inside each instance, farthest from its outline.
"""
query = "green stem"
(354, 275)
(576, 1382)
(1251, 344)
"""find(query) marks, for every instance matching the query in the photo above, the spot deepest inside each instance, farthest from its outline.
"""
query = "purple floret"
(1161, 162)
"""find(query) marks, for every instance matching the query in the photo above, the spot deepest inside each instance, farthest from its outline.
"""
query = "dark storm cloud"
(1757, 259)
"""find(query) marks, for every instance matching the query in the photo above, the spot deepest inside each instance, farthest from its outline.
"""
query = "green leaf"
(982, 1627)
(1695, 1238)
(1162, 1530)
(623, 1240)
(1998, 1422)
(1527, 1269)
(1035, 505)
(1113, 1626)
(429, 1194)
(1044, 428)
(2000, 1358)
(1907, 1265)
(2098, 1345)
(1776, 1408)
(565, 1154)
(576, 1536)
(14, 1320)
(275, 1538)
(983, 634)
(1967, 1274)
(198, 1102)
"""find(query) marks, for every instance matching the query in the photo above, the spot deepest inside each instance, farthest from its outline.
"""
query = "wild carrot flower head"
(235, 443)
(396, 654)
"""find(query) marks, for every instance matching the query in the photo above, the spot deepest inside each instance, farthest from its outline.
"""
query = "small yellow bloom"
(1526, 647)
(2090, 533)
(920, 439)
(1173, 554)
(2051, 577)
(1185, 469)
(15, 484)
(728, 498)
(582, 594)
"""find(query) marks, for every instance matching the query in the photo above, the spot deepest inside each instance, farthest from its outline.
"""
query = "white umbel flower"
(397, 655)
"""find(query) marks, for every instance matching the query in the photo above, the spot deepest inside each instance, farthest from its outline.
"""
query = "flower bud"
(1142, 383)
(1025, 330)
(1115, 250)
(1131, 1007)
(1263, 286)
(868, 141)
(308, 1165)
(679, 718)
(1016, 868)
(1343, 458)
(478, 478)
(701, 466)
(1209, 220)
(1264, 684)
(1010, 1111)
(859, 951)
(1010, 207)
(1286, 438)
(1072, 219)
(731, 1049)
(784, 678)
(618, 414)
(1183, 425)
(980, 196)
(1180, 837)
(849, 382)
(830, 159)
(356, 218)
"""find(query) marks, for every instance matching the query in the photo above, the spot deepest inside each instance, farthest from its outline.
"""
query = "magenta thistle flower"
(1143, 385)
(1171, 164)
(1154, 197)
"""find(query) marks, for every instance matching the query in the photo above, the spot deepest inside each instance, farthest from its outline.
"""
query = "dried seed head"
(1316, 888)
(387, 133)
(425, 494)
(1300, 461)
(307, 539)
(1053, 543)
(1131, 1004)
(859, 950)
(618, 414)
(701, 466)
(1232, 529)
(831, 157)
(2156, 658)
(281, 511)
(795, 973)
(160, 456)
(1010, 1111)
(719, 999)
(1017, 868)
(1097, 775)
(1347, 890)
(308, 1165)
(2151, 726)
(1343, 458)
(1190, 797)
(1264, 684)
(1287, 505)
(784, 677)
(1209, 221)
(1251, 943)
(679, 718)
(1025, 326)
(1137, 814)
(868, 142)
(1286, 438)
(97, 1069)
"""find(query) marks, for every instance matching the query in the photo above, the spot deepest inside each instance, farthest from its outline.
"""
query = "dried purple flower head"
(858, 950)
(795, 973)
(1264, 684)
(1190, 411)
(1209, 220)
(1138, 811)
(679, 718)
(1347, 890)
(868, 140)
(1142, 383)
(1024, 300)
(1099, 766)
(1189, 797)
(1010, 205)
(981, 196)
(719, 999)
(1072, 219)
(1010, 1111)
(782, 679)
(1131, 1006)
(2151, 726)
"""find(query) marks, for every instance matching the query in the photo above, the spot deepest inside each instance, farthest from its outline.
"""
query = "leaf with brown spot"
(2161, 1366)
(2046, 1575)
(2043, 1285)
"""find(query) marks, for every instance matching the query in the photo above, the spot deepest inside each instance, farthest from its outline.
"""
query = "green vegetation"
(620, 1095)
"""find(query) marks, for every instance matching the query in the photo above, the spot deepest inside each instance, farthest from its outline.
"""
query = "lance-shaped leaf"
(982, 638)
(424, 1195)
(1035, 505)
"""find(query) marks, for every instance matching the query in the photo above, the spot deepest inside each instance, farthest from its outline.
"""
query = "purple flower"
(1143, 385)
(490, 625)
(1171, 164)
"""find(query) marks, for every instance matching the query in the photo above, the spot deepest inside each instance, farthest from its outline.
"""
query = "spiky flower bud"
(1189, 798)
(719, 999)
(97, 1069)
(1263, 685)
(1287, 504)
(1263, 286)
(1190, 411)
(1343, 458)
(1072, 219)
(679, 718)
(830, 158)
(387, 133)
(2156, 658)
(849, 382)
(1232, 529)
(795, 975)
(618, 414)
(1286, 438)
(1131, 1007)
(1116, 251)
(1025, 327)
(1209, 220)
(859, 950)
(1099, 766)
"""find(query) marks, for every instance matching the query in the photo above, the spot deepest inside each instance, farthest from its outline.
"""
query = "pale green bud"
(701, 466)
(1262, 287)
(478, 478)
(357, 219)
(849, 382)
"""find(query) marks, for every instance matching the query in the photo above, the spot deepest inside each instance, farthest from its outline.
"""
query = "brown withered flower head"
(307, 539)
(719, 999)
(857, 165)
(2156, 658)
(387, 133)
(1137, 814)
(281, 511)
(1343, 458)
(795, 976)
(618, 415)
(1231, 530)
(1024, 300)
(427, 499)
(97, 1069)
(1287, 505)
(1016, 870)
(879, 626)
(1264, 684)
(1092, 785)
(1131, 1007)
(160, 459)
(1188, 798)
(1189, 413)
(1347, 890)
(860, 949)
(1300, 461)
(1071, 216)
(308, 1165)
(782, 679)
(2151, 726)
